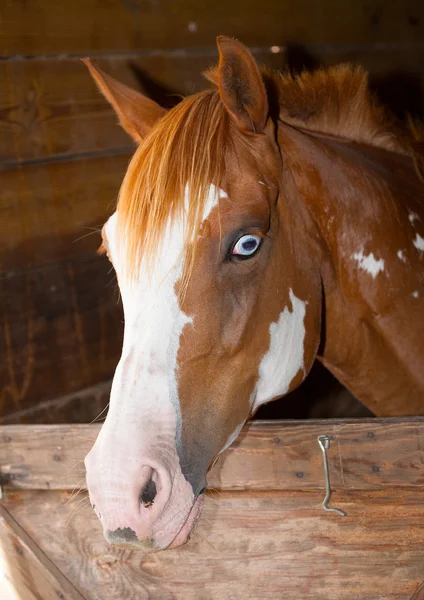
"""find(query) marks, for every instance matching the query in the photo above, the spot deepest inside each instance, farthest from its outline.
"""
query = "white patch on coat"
(144, 418)
(285, 354)
(419, 243)
(153, 319)
(369, 263)
(413, 217)
(415, 294)
(401, 256)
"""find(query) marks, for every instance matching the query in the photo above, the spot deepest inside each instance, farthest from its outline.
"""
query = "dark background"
(62, 158)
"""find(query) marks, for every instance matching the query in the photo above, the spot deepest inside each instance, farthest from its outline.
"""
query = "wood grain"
(364, 455)
(82, 406)
(49, 27)
(61, 331)
(52, 108)
(54, 212)
(61, 318)
(26, 571)
(419, 592)
(247, 545)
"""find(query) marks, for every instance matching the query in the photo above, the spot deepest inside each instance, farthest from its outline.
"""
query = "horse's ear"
(137, 114)
(241, 86)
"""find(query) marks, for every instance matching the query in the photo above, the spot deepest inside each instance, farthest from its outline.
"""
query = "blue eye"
(246, 246)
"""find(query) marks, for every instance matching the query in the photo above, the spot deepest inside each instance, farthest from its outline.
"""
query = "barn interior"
(63, 157)
(265, 532)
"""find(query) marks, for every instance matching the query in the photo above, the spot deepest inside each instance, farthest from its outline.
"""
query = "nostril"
(148, 493)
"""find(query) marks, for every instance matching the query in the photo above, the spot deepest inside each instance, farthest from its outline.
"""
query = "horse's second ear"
(241, 86)
(137, 114)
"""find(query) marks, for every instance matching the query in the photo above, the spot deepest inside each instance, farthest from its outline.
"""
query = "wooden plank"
(419, 592)
(247, 545)
(84, 25)
(364, 455)
(54, 212)
(82, 406)
(51, 108)
(27, 571)
(61, 331)
(58, 300)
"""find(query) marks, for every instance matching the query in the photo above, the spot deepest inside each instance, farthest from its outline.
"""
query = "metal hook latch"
(324, 443)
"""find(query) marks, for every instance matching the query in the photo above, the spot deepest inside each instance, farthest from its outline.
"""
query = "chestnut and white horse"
(263, 223)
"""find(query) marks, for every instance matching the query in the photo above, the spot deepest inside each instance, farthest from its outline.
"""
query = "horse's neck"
(363, 201)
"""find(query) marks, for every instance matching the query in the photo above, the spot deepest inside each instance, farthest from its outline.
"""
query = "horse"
(263, 223)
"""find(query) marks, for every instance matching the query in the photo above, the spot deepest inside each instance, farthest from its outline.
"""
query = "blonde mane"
(190, 144)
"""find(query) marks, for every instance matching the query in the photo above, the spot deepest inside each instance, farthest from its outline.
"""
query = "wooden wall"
(62, 156)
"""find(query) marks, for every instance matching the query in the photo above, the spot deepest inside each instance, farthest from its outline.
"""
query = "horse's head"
(221, 311)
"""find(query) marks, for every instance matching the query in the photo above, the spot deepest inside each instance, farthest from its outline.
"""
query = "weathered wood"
(83, 406)
(54, 212)
(61, 318)
(419, 592)
(46, 27)
(61, 331)
(52, 108)
(364, 455)
(247, 545)
(272, 518)
(26, 572)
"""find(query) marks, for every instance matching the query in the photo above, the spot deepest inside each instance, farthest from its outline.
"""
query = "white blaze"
(144, 419)
(154, 322)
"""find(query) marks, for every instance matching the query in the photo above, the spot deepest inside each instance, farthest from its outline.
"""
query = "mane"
(190, 144)
(338, 101)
